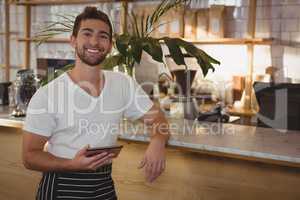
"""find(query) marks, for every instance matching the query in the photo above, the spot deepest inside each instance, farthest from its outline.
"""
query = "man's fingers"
(149, 170)
(154, 170)
(142, 163)
(161, 167)
(93, 159)
(158, 168)
(108, 161)
(101, 161)
(98, 156)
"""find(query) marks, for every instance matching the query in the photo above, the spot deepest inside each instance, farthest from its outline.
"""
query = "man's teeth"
(93, 50)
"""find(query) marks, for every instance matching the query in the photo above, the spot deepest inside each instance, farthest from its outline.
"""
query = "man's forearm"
(161, 138)
(160, 130)
(44, 161)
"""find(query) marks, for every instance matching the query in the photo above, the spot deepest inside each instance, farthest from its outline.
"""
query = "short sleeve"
(138, 102)
(38, 118)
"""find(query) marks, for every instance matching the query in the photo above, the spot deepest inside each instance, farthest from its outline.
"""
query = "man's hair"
(91, 13)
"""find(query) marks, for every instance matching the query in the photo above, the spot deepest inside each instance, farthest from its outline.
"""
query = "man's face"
(92, 43)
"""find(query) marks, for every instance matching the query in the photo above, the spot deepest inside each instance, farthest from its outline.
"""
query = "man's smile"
(94, 51)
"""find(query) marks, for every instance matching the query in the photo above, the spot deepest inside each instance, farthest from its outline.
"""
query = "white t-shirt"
(71, 118)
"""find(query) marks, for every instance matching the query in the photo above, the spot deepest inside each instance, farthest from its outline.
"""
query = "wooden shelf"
(12, 33)
(229, 41)
(12, 66)
(52, 40)
(62, 2)
(234, 41)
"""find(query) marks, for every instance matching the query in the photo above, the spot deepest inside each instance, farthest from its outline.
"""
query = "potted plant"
(131, 44)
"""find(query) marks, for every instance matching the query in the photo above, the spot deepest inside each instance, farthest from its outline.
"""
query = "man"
(81, 109)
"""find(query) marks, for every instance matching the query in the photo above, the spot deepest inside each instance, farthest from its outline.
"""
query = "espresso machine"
(184, 79)
(23, 88)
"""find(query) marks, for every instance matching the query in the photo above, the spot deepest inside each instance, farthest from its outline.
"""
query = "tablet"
(115, 149)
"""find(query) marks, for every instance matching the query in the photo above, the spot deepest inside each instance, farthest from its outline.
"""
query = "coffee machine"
(4, 93)
(23, 88)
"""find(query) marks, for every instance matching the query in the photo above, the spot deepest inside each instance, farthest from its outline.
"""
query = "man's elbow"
(27, 161)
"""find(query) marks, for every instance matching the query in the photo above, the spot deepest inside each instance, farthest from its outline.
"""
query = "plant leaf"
(153, 48)
(142, 25)
(111, 61)
(156, 27)
(203, 59)
(69, 18)
(175, 51)
(136, 49)
(135, 24)
(122, 44)
(147, 24)
(59, 30)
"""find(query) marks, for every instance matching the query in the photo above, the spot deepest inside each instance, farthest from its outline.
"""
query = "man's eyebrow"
(104, 32)
(87, 29)
(91, 30)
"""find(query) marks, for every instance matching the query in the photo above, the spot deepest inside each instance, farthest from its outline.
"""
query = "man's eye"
(103, 36)
(86, 34)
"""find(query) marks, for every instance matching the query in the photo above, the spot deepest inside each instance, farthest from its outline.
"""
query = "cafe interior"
(224, 72)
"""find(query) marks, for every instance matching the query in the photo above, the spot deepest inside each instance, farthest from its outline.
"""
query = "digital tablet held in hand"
(109, 149)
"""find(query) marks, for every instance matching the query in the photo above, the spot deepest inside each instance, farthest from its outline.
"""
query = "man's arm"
(154, 158)
(35, 158)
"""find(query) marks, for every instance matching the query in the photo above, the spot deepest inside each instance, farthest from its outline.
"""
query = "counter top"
(238, 141)
(9, 121)
(230, 140)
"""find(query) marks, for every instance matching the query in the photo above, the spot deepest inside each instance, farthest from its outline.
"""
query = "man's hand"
(154, 160)
(82, 162)
(35, 158)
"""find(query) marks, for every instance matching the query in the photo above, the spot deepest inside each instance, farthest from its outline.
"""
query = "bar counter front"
(204, 161)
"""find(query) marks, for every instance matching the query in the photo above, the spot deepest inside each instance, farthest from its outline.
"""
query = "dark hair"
(91, 13)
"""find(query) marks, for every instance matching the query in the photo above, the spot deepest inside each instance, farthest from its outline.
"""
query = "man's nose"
(94, 41)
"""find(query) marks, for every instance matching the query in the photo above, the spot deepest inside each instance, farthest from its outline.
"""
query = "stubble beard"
(87, 60)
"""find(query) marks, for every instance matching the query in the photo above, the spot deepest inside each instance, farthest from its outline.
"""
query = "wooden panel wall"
(194, 176)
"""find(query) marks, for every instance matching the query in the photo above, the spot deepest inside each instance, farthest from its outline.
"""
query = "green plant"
(131, 44)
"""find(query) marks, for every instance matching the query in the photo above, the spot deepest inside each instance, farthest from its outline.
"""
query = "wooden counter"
(7, 120)
(204, 161)
(188, 175)
(16, 182)
(229, 140)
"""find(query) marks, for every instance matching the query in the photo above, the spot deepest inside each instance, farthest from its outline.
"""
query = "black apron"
(96, 185)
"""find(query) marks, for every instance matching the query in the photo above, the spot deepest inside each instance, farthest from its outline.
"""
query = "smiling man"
(83, 108)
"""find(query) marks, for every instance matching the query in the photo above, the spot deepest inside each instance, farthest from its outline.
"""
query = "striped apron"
(77, 185)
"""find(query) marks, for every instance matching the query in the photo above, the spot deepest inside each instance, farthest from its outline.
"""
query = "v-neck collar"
(104, 77)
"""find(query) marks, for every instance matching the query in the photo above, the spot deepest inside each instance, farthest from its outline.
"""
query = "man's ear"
(73, 41)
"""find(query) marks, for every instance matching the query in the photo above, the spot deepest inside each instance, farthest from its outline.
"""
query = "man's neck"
(82, 74)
